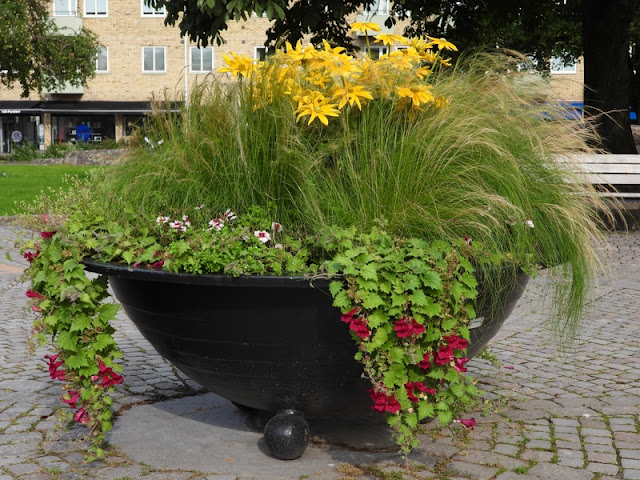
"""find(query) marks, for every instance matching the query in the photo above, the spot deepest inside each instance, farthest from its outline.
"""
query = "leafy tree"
(37, 54)
(601, 31)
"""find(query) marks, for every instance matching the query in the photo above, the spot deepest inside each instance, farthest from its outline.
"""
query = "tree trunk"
(607, 72)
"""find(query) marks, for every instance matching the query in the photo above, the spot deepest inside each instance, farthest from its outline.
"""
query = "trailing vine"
(407, 303)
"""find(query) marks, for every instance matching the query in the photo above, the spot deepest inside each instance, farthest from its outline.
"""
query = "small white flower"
(276, 227)
(229, 215)
(199, 207)
(178, 225)
(186, 221)
(277, 245)
(217, 224)
(262, 235)
(161, 220)
(530, 223)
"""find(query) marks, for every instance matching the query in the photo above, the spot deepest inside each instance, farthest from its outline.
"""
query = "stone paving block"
(597, 440)
(506, 449)
(632, 454)
(631, 474)
(599, 457)
(607, 468)
(550, 471)
(595, 432)
(479, 472)
(23, 468)
(571, 458)
(536, 455)
(630, 463)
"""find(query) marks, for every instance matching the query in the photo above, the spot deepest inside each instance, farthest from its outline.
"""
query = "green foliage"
(37, 54)
(413, 354)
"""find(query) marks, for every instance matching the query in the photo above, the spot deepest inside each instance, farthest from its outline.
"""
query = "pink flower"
(32, 294)
(383, 403)
(444, 355)
(157, 264)
(348, 317)
(469, 423)
(71, 398)
(404, 329)
(199, 207)
(161, 220)
(458, 364)
(262, 235)
(278, 245)
(31, 256)
(413, 387)
(47, 234)
(529, 223)
(276, 227)
(53, 364)
(359, 326)
(425, 363)
(82, 415)
(456, 342)
(109, 377)
(186, 221)
(468, 240)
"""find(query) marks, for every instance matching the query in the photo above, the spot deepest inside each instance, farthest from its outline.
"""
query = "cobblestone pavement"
(556, 416)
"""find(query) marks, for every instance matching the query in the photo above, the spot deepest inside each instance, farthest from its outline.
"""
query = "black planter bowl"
(274, 344)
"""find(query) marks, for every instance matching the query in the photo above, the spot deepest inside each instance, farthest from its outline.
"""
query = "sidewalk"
(573, 417)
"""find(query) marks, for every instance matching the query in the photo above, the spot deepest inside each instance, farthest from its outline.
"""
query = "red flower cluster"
(356, 323)
(444, 355)
(425, 363)
(413, 387)
(31, 256)
(107, 375)
(383, 403)
(458, 364)
(82, 415)
(53, 364)
(405, 329)
(47, 235)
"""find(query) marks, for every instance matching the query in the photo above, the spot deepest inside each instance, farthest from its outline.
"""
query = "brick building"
(140, 58)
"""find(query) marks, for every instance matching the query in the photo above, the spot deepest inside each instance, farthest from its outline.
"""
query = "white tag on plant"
(476, 322)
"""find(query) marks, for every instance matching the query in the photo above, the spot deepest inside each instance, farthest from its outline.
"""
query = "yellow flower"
(238, 65)
(418, 94)
(334, 51)
(441, 43)
(317, 106)
(445, 61)
(440, 102)
(298, 53)
(363, 27)
(352, 94)
(319, 79)
(423, 72)
(390, 39)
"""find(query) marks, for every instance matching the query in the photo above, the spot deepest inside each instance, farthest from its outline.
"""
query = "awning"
(16, 107)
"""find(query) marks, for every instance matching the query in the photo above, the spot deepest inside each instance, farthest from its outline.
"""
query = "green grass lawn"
(20, 183)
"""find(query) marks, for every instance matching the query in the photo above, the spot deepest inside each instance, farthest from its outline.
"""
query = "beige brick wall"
(569, 86)
(124, 31)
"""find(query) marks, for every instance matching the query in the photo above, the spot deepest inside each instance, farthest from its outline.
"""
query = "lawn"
(24, 182)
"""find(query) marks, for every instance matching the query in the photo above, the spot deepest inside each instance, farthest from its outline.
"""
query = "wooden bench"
(611, 170)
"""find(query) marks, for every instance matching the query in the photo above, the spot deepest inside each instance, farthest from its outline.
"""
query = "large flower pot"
(274, 344)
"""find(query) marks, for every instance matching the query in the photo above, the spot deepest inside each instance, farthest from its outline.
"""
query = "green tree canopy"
(36, 54)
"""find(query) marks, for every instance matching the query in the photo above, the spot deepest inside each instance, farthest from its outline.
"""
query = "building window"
(153, 60)
(95, 8)
(378, 7)
(558, 66)
(102, 60)
(261, 53)
(375, 51)
(201, 59)
(148, 11)
(65, 8)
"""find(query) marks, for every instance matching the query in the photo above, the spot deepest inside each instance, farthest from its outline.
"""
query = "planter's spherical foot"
(287, 435)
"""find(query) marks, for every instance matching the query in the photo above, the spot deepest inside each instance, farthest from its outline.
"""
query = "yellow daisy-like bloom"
(319, 79)
(440, 102)
(398, 60)
(445, 61)
(298, 53)
(390, 39)
(418, 94)
(441, 43)
(364, 27)
(423, 72)
(352, 94)
(334, 50)
(316, 106)
(238, 65)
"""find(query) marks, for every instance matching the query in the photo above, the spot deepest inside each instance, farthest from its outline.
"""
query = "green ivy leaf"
(445, 417)
(103, 341)
(335, 287)
(77, 361)
(128, 257)
(418, 298)
(377, 318)
(68, 341)
(425, 410)
(432, 280)
(342, 300)
(371, 300)
(80, 323)
(379, 338)
(448, 324)
(397, 354)
(369, 272)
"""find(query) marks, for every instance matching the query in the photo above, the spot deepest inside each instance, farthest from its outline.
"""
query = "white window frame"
(106, 54)
(256, 54)
(85, 9)
(382, 50)
(379, 7)
(557, 67)
(202, 51)
(151, 13)
(73, 6)
(164, 54)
